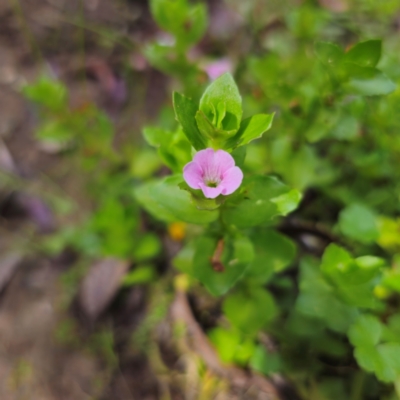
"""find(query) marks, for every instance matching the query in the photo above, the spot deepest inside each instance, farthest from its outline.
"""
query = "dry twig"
(181, 312)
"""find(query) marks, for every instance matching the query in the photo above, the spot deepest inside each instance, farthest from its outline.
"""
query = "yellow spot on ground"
(182, 282)
(177, 230)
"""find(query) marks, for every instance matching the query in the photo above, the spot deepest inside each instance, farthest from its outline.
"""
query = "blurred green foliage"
(311, 239)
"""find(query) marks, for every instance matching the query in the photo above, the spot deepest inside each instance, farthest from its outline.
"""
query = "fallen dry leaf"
(8, 266)
(100, 285)
(6, 160)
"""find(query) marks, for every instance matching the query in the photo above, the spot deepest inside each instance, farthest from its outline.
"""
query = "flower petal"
(223, 161)
(193, 175)
(204, 158)
(210, 192)
(231, 180)
(219, 160)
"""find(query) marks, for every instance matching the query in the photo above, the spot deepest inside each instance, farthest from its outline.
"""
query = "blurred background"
(86, 279)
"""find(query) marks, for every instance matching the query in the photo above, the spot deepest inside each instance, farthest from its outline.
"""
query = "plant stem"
(358, 386)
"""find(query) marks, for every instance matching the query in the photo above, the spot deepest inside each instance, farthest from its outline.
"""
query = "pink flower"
(213, 172)
(218, 67)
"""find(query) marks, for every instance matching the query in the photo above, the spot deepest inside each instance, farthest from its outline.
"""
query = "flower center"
(212, 184)
(212, 177)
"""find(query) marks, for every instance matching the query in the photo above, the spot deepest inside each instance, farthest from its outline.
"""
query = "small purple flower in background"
(213, 172)
(218, 67)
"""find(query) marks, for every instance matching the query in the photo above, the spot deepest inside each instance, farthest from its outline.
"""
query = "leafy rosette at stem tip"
(214, 172)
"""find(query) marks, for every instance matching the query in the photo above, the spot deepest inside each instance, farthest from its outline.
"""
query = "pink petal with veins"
(193, 175)
(211, 192)
(231, 180)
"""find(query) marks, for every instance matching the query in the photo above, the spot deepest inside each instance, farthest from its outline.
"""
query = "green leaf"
(389, 238)
(391, 279)
(388, 370)
(187, 23)
(231, 345)
(334, 259)
(206, 128)
(368, 81)
(287, 202)
(223, 90)
(265, 363)
(273, 253)
(101, 124)
(366, 331)
(226, 342)
(244, 351)
(353, 279)
(251, 310)
(317, 299)
(329, 54)
(365, 54)
(358, 222)
(220, 113)
(368, 266)
(185, 111)
(383, 360)
(322, 125)
(173, 147)
(346, 128)
(47, 92)
(156, 136)
(300, 166)
(368, 358)
(324, 305)
(140, 275)
(216, 135)
(256, 207)
(147, 246)
(183, 261)
(178, 202)
(362, 270)
(144, 197)
(304, 326)
(196, 24)
(236, 256)
(250, 129)
(56, 131)
(169, 14)
(239, 155)
(145, 163)
(358, 295)
(391, 332)
(163, 58)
